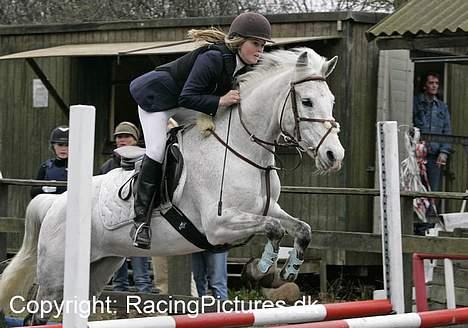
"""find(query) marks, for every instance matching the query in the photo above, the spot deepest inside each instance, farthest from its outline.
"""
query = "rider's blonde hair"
(214, 35)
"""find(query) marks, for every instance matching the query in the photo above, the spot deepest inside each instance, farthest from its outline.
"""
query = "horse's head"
(309, 121)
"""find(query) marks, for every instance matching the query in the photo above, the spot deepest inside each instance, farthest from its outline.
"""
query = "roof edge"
(360, 17)
(370, 36)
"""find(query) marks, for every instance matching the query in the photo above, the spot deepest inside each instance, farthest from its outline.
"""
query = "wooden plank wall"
(361, 133)
(360, 126)
(457, 98)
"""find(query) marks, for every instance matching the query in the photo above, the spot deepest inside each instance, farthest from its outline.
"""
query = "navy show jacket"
(209, 79)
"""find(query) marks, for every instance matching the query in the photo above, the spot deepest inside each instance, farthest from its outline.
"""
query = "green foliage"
(245, 294)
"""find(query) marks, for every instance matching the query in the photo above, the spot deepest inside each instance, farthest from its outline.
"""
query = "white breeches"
(154, 125)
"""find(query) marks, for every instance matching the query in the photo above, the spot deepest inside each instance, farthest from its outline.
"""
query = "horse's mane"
(278, 61)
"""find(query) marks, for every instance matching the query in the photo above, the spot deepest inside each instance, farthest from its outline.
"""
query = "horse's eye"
(307, 102)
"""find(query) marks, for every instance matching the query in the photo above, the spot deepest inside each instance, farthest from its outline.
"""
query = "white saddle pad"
(113, 211)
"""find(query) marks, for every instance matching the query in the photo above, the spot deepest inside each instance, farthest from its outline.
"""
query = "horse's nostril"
(330, 156)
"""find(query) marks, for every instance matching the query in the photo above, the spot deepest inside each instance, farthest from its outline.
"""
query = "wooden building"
(46, 68)
(424, 36)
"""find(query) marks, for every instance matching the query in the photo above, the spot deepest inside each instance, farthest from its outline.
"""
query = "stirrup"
(142, 243)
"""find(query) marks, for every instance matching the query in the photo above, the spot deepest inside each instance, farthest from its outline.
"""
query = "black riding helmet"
(251, 25)
(59, 135)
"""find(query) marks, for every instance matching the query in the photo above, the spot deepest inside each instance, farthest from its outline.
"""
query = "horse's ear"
(302, 60)
(329, 66)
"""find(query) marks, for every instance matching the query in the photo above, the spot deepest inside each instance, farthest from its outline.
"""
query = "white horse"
(285, 95)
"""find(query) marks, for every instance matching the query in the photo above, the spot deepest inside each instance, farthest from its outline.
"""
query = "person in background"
(54, 168)
(431, 115)
(210, 271)
(127, 134)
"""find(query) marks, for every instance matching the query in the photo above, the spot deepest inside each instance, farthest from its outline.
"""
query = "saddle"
(131, 158)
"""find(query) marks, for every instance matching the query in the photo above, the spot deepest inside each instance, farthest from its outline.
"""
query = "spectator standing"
(127, 134)
(431, 115)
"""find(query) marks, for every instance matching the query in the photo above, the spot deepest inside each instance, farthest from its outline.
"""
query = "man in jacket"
(431, 115)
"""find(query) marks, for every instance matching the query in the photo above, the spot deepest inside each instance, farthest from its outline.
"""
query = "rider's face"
(251, 50)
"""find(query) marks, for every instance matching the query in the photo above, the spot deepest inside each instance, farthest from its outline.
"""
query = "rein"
(267, 170)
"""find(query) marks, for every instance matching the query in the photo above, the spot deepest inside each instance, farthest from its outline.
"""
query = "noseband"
(295, 140)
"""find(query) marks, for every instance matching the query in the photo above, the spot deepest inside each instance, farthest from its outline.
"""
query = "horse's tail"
(19, 275)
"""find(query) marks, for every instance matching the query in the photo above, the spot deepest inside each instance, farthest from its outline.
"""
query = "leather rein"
(291, 140)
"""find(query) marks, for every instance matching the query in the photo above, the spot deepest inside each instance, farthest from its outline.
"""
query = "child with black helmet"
(54, 168)
(202, 80)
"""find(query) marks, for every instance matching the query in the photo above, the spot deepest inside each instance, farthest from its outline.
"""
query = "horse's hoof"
(33, 320)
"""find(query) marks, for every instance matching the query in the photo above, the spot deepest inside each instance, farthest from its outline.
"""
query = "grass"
(245, 294)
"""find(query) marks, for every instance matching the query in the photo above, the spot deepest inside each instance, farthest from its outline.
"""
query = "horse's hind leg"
(101, 272)
(50, 269)
(47, 298)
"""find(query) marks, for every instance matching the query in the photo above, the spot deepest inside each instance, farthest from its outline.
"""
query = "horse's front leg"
(302, 235)
(233, 225)
(263, 270)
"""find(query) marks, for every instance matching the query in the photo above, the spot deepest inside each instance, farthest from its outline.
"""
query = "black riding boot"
(148, 183)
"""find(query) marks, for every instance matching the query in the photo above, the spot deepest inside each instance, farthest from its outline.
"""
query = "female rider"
(202, 81)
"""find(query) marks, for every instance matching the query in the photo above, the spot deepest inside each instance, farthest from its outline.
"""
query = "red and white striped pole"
(439, 318)
(260, 317)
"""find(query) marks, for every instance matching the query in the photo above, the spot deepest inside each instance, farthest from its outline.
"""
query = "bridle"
(294, 140)
(297, 137)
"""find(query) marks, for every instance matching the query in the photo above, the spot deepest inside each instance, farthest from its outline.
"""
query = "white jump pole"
(387, 139)
(78, 224)
(449, 284)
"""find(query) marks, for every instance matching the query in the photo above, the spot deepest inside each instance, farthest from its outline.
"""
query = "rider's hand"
(230, 98)
(441, 159)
